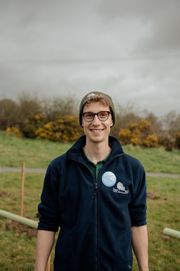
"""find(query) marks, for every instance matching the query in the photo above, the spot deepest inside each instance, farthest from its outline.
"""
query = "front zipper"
(96, 216)
(96, 188)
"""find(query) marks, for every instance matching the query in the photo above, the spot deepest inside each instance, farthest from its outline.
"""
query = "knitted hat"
(96, 96)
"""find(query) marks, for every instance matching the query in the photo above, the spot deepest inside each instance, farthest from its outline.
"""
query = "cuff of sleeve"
(47, 228)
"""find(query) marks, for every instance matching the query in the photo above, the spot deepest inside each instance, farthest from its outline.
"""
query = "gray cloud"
(130, 49)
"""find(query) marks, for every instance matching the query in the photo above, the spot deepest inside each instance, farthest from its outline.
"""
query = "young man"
(96, 195)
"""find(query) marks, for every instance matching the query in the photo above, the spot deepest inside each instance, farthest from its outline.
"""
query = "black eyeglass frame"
(96, 114)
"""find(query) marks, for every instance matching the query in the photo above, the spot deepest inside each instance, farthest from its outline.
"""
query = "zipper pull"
(96, 186)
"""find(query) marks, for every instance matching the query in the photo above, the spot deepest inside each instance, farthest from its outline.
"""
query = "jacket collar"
(75, 152)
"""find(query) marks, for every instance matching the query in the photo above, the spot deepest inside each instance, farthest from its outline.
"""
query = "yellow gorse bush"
(64, 129)
(13, 131)
(139, 133)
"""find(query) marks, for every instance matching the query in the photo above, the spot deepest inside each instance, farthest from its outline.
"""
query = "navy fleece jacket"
(95, 215)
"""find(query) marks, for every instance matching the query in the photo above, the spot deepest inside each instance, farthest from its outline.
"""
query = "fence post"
(25, 221)
(171, 232)
(22, 180)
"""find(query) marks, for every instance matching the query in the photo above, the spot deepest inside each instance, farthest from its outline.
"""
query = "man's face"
(97, 130)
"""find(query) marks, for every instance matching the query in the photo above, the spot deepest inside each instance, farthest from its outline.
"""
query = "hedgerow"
(57, 120)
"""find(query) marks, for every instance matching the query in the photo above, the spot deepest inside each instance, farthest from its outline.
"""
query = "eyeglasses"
(102, 115)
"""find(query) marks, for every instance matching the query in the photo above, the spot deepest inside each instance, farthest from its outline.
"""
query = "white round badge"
(109, 179)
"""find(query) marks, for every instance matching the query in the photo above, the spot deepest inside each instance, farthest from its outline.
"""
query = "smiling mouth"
(96, 130)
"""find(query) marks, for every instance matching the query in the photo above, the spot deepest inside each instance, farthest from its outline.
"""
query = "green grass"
(17, 249)
(35, 153)
(163, 211)
(38, 153)
(156, 159)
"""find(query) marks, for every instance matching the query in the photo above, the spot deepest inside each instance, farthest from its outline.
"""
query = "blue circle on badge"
(109, 179)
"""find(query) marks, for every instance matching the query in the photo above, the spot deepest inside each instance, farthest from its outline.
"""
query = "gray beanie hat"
(96, 96)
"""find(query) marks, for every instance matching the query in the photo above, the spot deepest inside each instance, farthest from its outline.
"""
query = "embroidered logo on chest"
(120, 188)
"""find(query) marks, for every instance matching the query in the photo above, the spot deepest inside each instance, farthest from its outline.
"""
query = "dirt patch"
(151, 195)
(4, 194)
(20, 228)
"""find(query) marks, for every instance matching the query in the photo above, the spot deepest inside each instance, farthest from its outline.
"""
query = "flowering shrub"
(13, 131)
(150, 141)
(139, 133)
(64, 129)
(29, 126)
(125, 135)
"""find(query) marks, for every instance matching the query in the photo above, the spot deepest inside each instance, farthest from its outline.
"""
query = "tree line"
(57, 120)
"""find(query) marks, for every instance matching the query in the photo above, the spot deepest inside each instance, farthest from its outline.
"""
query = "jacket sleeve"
(48, 208)
(137, 207)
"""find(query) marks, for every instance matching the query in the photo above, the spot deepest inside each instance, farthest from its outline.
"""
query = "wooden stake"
(22, 189)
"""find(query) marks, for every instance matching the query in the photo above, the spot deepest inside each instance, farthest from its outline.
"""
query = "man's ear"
(112, 124)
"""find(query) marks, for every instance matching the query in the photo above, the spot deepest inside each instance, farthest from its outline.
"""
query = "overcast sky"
(127, 48)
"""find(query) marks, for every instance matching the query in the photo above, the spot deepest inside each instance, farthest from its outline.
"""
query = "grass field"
(38, 153)
(17, 246)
